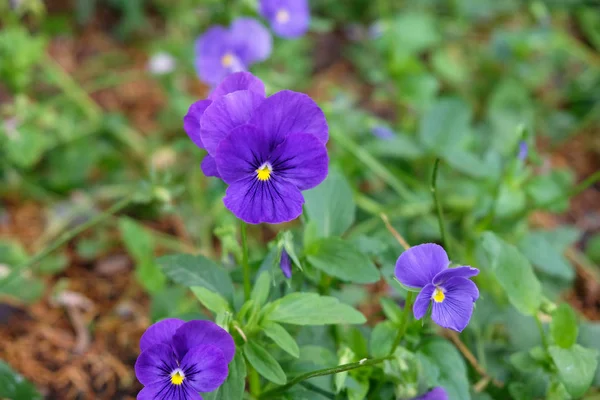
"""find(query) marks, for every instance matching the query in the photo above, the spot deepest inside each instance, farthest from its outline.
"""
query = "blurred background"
(92, 96)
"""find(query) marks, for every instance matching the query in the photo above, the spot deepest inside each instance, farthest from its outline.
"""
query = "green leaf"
(382, 338)
(451, 369)
(564, 326)
(412, 32)
(188, 270)
(313, 309)
(545, 256)
(392, 311)
(330, 206)
(13, 386)
(233, 387)
(401, 146)
(211, 300)
(576, 367)
(514, 273)
(345, 356)
(264, 363)
(544, 189)
(281, 337)
(445, 124)
(140, 246)
(589, 336)
(262, 286)
(342, 260)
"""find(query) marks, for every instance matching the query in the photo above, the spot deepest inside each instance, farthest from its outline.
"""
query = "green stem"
(438, 206)
(69, 235)
(542, 332)
(325, 371)
(403, 321)
(245, 264)
(253, 381)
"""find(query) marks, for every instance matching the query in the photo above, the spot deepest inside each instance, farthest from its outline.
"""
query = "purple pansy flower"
(285, 264)
(449, 289)
(179, 359)
(523, 150)
(383, 132)
(288, 18)
(221, 51)
(437, 393)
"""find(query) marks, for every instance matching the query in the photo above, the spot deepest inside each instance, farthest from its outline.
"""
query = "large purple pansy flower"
(288, 18)
(221, 51)
(450, 291)
(437, 393)
(180, 359)
(192, 121)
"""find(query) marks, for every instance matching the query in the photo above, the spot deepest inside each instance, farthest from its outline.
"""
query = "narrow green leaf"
(281, 337)
(312, 309)
(233, 387)
(342, 260)
(188, 270)
(261, 289)
(211, 300)
(264, 363)
(576, 367)
(564, 326)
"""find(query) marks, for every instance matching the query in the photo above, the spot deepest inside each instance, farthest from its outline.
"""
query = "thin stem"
(253, 381)
(69, 235)
(325, 371)
(403, 321)
(245, 265)
(438, 206)
(394, 232)
(542, 332)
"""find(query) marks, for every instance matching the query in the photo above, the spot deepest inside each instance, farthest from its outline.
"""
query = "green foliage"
(443, 366)
(264, 363)
(234, 386)
(564, 326)
(312, 309)
(576, 367)
(13, 386)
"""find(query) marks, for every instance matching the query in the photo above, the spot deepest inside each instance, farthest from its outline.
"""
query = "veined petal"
(191, 121)
(288, 18)
(205, 368)
(301, 159)
(210, 49)
(225, 114)
(155, 364)
(241, 153)
(423, 300)
(160, 332)
(251, 40)
(289, 112)
(463, 272)
(239, 81)
(417, 266)
(437, 393)
(455, 311)
(199, 332)
(209, 166)
(164, 390)
(272, 201)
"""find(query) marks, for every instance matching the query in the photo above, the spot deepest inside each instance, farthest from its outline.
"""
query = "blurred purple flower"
(437, 393)
(285, 264)
(449, 289)
(288, 18)
(221, 51)
(523, 150)
(383, 132)
(179, 359)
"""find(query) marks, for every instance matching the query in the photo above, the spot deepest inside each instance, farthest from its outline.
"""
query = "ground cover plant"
(290, 199)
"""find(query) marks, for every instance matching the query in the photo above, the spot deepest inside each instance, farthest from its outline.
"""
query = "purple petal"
(160, 332)
(152, 363)
(211, 47)
(191, 121)
(285, 264)
(463, 272)
(300, 159)
(251, 40)
(196, 333)
(273, 201)
(157, 391)
(423, 300)
(205, 368)
(239, 81)
(417, 266)
(225, 114)
(209, 166)
(437, 393)
(241, 153)
(289, 112)
(455, 310)
(288, 18)
(383, 132)
(523, 150)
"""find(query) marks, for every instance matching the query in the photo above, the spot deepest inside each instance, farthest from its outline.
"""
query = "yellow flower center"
(177, 377)
(282, 16)
(227, 60)
(438, 295)
(263, 173)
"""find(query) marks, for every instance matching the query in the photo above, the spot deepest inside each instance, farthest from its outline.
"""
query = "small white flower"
(161, 63)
